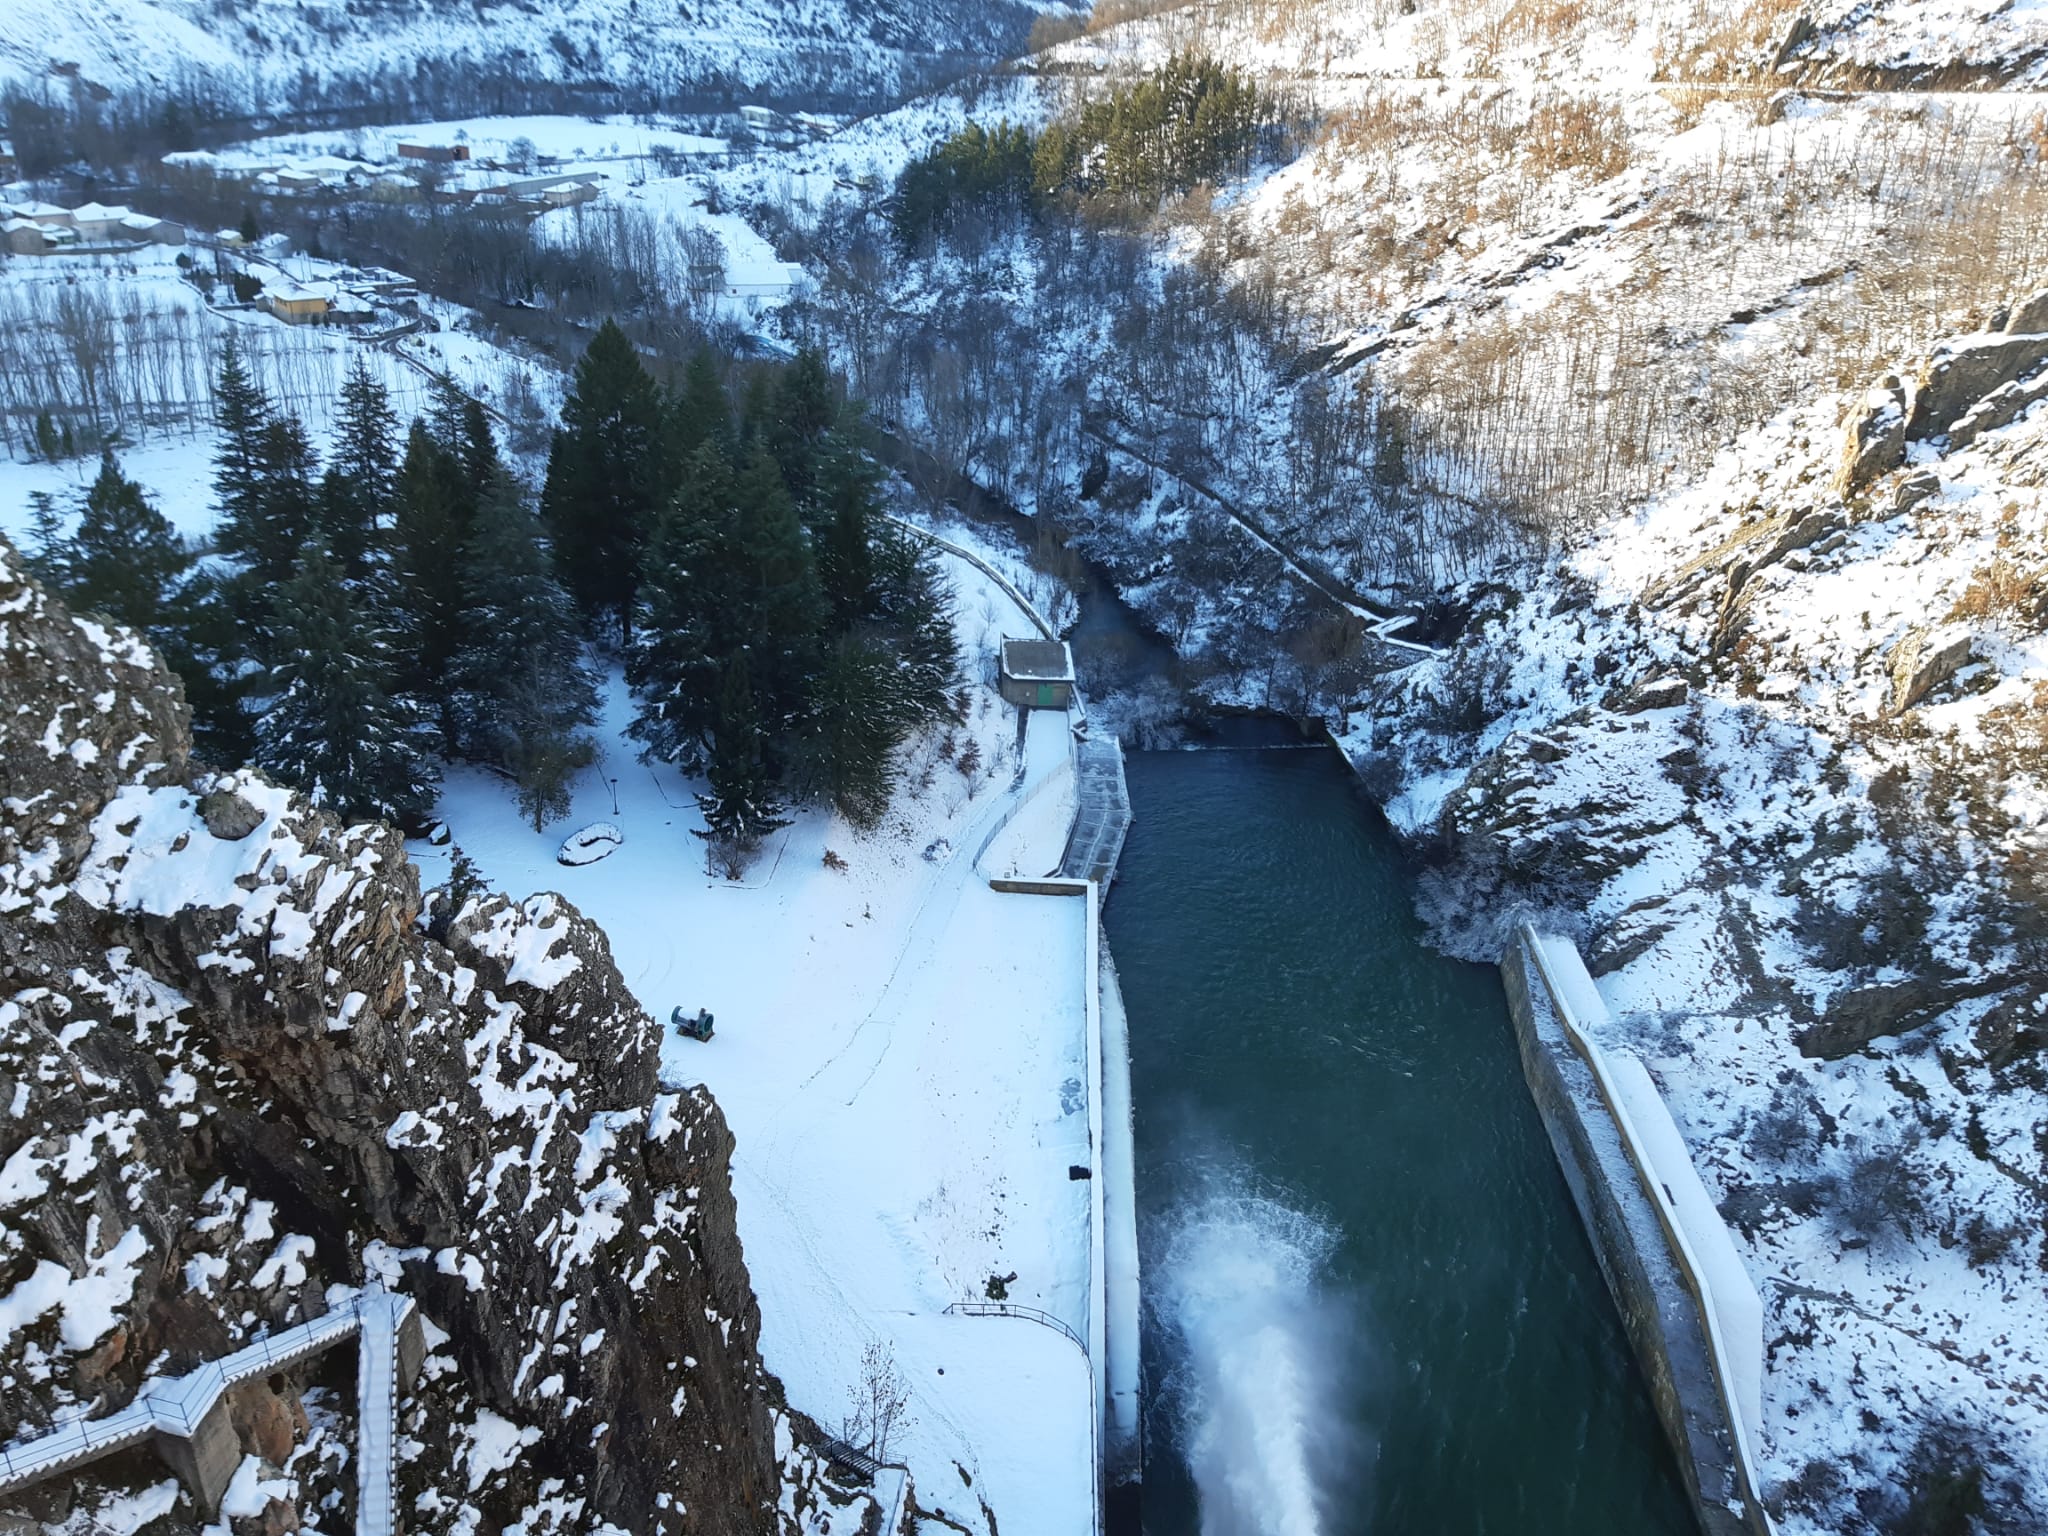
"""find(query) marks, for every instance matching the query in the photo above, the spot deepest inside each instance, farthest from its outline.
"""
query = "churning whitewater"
(1264, 1347)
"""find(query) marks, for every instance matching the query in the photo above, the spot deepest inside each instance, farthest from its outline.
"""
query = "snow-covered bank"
(900, 1053)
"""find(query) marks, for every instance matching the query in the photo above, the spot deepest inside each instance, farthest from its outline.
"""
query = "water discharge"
(1259, 1390)
(1371, 1306)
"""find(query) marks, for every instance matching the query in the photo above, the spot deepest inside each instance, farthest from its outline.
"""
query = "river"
(1370, 1305)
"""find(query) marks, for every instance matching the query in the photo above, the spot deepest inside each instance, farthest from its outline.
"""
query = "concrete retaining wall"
(1661, 1309)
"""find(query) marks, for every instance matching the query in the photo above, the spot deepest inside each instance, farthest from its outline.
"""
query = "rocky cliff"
(236, 1071)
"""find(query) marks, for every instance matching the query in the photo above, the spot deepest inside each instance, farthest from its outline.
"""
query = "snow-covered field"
(130, 340)
(574, 142)
(899, 1052)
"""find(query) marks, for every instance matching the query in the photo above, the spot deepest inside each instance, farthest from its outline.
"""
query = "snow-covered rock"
(235, 1072)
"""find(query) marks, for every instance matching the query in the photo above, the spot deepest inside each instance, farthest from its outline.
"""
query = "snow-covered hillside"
(288, 57)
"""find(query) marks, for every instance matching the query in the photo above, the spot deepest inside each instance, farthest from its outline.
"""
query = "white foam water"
(1266, 1347)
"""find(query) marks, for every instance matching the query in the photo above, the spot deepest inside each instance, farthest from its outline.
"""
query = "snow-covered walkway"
(185, 1411)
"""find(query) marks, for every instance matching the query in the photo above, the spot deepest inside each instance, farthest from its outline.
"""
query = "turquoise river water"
(1370, 1305)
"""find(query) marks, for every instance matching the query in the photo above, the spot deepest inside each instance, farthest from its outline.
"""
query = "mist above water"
(1260, 1380)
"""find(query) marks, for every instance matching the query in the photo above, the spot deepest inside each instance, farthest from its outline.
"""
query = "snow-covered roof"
(98, 211)
(1038, 661)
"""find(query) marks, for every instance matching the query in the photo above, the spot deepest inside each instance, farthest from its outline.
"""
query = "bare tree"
(880, 1403)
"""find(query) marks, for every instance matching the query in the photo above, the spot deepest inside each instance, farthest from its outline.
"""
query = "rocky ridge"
(238, 1069)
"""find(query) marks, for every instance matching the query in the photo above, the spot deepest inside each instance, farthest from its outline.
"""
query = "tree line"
(1190, 121)
(402, 600)
(780, 635)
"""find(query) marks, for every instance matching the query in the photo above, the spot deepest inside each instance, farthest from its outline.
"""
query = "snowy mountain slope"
(285, 56)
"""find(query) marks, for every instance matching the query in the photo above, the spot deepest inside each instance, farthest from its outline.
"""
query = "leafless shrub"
(879, 1403)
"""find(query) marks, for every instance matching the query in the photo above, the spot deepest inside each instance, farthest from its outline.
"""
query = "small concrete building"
(296, 305)
(1037, 674)
(44, 213)
(27, 237)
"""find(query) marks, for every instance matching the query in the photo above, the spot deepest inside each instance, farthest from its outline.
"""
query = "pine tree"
(241, 411)
(362, 469)
(125, 561)
(522, 694)
(333, 730)
(848, 504)
(266, 518)
(778, 596)
(856, 715)
(430, 534)
(701, 412)
(462, 427)
(48, 553)
(689, 619)
(606, 476)
(804, 407)
(212, 655)
(740, 808)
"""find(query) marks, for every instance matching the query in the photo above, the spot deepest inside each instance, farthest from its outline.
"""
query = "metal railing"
(1011, 1309)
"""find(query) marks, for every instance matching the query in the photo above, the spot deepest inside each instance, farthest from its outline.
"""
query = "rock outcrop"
(235, 1071)
(1967, 369)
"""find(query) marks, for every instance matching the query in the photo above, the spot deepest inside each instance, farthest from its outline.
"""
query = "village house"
(26, 237)
(316, 303)
(38, 229)
(544, 191)
(9, 166)
(42, 213)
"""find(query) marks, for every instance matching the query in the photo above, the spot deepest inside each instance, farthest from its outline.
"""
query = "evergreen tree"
(688, 623)
(462, 427)
(858, 712)
(125, 561)
(362, 470)
(803, 410)
(265, 520)
(778, 592)
(740, 808)
(241, 411)
(522, 694)
(333, 730)
(430, 535)
(701, 412)
(212, 655)
(848, 505)
(606, 477)
(48, 553)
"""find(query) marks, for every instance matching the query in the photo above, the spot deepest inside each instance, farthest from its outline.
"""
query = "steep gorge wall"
(234, 1070)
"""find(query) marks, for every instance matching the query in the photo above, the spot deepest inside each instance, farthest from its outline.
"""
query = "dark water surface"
(1370, 1305)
